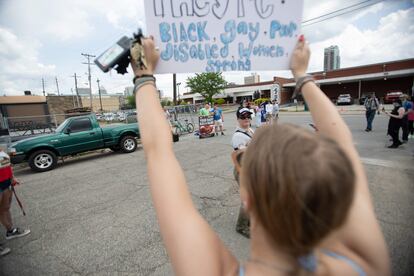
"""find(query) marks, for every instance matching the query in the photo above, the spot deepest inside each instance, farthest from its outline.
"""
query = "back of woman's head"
(300, 185)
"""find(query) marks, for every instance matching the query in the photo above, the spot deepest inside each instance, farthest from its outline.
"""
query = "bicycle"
(180, 128)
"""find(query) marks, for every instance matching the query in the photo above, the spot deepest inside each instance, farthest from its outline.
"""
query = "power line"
(346, 12)
(312, 19)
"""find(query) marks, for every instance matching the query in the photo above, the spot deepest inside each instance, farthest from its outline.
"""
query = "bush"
(220, 101)
(261, 100)
(165, 102)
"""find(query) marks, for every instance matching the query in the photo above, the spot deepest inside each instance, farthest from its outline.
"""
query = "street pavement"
(93, 214)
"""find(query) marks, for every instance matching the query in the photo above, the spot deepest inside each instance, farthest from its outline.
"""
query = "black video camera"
(118, 56)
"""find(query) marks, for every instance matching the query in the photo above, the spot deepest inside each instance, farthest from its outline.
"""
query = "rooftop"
(22, 99)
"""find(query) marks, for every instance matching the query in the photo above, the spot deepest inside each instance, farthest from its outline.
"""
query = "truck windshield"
(62, 126)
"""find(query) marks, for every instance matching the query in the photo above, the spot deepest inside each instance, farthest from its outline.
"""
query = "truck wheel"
(128, 144)
(42, 161)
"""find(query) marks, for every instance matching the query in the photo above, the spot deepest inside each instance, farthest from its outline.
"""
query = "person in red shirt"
(6, 193)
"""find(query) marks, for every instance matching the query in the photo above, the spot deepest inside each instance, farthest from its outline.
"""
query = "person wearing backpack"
(371, 106)
(240, 140)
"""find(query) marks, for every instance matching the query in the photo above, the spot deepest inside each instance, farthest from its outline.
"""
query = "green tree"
(207, 84)
(131, 101)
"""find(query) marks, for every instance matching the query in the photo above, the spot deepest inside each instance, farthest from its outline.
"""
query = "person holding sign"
(206, 110)
(306, 193)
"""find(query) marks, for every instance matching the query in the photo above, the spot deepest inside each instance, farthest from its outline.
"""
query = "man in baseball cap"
(240, 140)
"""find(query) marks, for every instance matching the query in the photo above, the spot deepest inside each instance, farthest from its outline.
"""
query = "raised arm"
(193, 247)
(361, 234)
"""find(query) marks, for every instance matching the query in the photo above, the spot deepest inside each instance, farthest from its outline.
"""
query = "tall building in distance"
(254, 78)
(332, 60)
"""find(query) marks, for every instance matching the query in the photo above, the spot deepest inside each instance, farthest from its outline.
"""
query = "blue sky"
(45, 38)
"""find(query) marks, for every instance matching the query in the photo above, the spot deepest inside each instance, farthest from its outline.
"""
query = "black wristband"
(142, 76)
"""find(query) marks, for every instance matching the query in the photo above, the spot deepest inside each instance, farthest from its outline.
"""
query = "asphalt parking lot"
(93, 215)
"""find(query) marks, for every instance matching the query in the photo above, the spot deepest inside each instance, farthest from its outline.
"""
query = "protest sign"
(223, 35)
(206, 126)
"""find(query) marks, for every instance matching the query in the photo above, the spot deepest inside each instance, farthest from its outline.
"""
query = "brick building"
(380, 78)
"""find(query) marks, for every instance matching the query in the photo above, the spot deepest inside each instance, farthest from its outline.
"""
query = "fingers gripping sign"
(144, 55)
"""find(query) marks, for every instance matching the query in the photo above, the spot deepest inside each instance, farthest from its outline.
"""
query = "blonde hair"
(300, 184)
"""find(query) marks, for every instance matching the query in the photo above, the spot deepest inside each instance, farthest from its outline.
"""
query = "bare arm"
(401, 113)
(361, 234)
(193, 247)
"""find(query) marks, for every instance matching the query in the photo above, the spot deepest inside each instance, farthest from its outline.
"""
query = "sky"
(45, 39)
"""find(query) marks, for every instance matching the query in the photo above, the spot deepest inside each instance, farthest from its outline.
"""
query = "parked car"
(74, 135)
(392, 96)
(109, 117)
(344, 99)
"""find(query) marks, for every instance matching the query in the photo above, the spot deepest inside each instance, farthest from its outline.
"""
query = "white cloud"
(326, 29)
(67, 20)
(19, 64)
(37, 23)
(392, 40)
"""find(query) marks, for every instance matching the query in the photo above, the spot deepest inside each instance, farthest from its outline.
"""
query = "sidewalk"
(300, 109)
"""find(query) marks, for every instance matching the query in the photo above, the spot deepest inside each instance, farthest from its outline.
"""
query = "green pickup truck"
(74, 135)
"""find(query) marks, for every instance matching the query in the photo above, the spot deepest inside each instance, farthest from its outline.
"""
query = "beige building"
(109, 102)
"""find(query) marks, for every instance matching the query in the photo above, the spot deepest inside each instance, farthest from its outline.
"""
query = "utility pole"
(175, 89)
(99, 90)
(73, 97)
(76, 89)
(43, 85)
(57, 86)
(88, 56)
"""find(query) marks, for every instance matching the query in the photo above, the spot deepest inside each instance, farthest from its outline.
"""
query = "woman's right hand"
(300, 58)
(152, 56)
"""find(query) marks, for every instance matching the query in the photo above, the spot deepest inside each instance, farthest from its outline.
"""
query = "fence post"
(55, 121)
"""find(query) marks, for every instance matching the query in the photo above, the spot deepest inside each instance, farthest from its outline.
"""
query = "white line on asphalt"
(385, 163)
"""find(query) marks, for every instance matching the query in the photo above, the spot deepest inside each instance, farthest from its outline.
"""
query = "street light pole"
(178, 92)
(99, 90)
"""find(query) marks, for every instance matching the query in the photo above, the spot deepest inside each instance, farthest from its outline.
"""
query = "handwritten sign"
(206, 126)
(223, 35)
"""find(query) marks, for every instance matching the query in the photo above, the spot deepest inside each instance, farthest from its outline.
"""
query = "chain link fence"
(18, 128)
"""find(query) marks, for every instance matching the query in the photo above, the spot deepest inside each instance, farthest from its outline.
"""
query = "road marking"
(385, 163)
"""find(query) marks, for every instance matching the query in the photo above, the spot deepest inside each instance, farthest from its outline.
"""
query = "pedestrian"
(269, 112)
(306, 193)
(218, 119)
(275, 111)
(410, 117)
(6, 181)
(395, 122)
(372, 106)
(263, 113)
(408, 107)
(243, 133)
(258, 116)
(206, 110)
(240, 140)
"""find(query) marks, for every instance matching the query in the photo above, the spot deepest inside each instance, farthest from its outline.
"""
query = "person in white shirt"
(275, 111)
(240, 140)
(243, 134)
(269, 112)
